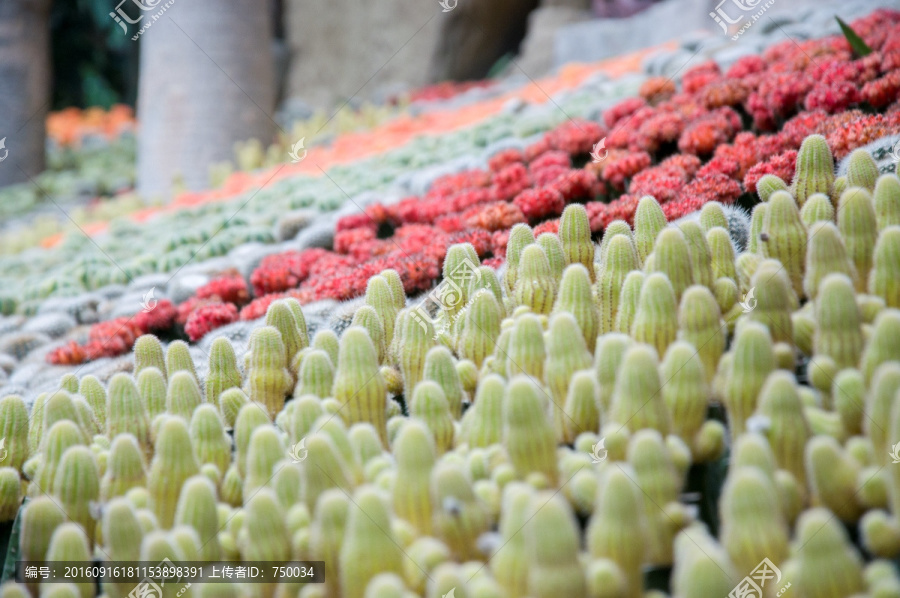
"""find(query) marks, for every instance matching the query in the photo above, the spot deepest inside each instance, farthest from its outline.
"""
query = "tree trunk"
(206, 81)
(24, 87)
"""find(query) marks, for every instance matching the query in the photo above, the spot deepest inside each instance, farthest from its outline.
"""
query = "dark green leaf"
(860, 48)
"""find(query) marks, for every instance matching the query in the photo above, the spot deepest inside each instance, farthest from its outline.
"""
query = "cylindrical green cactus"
(223, 370)
(327, 532)
(417, 336)
(124, 469)
(183, 395)
(838, 331)
(152, 388)
(178, 358)
(700, 324)
(607, 358)
(618, 529)
(620, 258)
(575, 297)
(886, 200)
(280, 317)
(832, 477)
(125, 412)
(862, 170)
(825, 255)
(526, 351)
(14, 431)
(380, 297)
(429, 404)
(230, 403)
(527, 432)
(481, 328)
(122, 535)
(828, 565)
(753, 360)
(172, 464)
(566, 354)
(148, 353)
(882, 345)
(250, 417)
(326, 340)
(358, 385)
(415, 453)
(76, 486)
(629, 297)
(366, 317)
(70, 543)
(264, 536)
(520, 236)
(483, 423)
(575, 236)
(769, 184)
(616, 227)
(672, 257)
(859, 230)
(712, 215)
(369, 547)
(878, 409)
(702, 567)
(818, 208)
(535, 285)
(268, 380)
(458, 515)
(686, 389)
(581, 406)
(786, 426)
(884, 279)
(398, 293)
(815, 169)
(486, 278)
(95, 395)
(656, 320)
(701, 254)
(40, 518)
(783, 237)
(323, 468)
(637, 401)
(10, 494)
(553, 542)
(316, 376)
(208, 438)
(440, 367)
(649, 220)
(773, 301)
(59, 438)
(757, 221)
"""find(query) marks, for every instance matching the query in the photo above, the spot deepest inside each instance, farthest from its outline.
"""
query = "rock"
(536, 56)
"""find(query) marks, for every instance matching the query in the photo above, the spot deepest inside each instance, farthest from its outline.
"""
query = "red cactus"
(504, 158)
(230, 289)
(209, 317)
(494, 216)
(538, 204)
(657, 89)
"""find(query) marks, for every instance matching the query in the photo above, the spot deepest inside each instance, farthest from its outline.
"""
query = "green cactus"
(856, 221)
(702, 567)
(482, 324)
(380, 297)
(527, 433)
(460, 266)
(369, 547)
(526, 352)
(95, 395)
(69, 543)
(712, 215)
(230, 403)
(825, 255)
(686, 389)
(69, 383)
(76, 486)
(323, 468)
(840, 185)
(326, 340)
(416, 335)
(757, 220)
(366, 317)
(59, 438)
(535, 285)
(882, 345)
(125, 468)
(415, 453)
(878, 409)
(122, 535)
(786, 425)
(280, 317)
(148, 353)
(172, 464)
(327, 532)
(178, 358)
(575, 297)
(886, 200)
(520, 236)
(607, 358)
(620, 259)
(815, 169)
(700, 324)
(616, 227)
(862, 171)
(316, 376)
(637, 401)
(358, 385)
(223, 370)
(40, 518)
(649, 220)
(60, 407)
(566, 354)
(10, 494)
(753, 361)
(581, 408)
(701, 254)
(14, 431)
(483, 423)
(268, 379)
(672, 257)
(884, 279)
(307, 410)
(553, 540)
(818, 208)
(183, 395)
(263, 536)
(208, 438)
(486, 278)
(838, 331)
(656, 320)
(828, 565)
(783, 237)
(429, 404)
(440, 367)
(398, 293)
(775, 300)
(297, 311)
(832, 477)
(152, 389)
(458, 515)
(769, 184)
(249, 418)
(618, 530)
(629, 297)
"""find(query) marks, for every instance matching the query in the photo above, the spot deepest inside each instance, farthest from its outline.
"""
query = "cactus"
(655, 322)
(818, 208)
(95, 395)
(775, 300)
(712, 215)
(629, 297)
(828, 565)
(483, 423)
(249, 418)
(300, 320)
(323, 468)
(358, 385)
(575, 297)
(183, 395)
(486, 278)
(535, 285)
(649, 220)
(878, 409)
(607, 358)
(882, 345)
(230, 403)
(69, 543)
(526, 352)
(672, 257)
(520, 236)
(148, 353)
(840, 185)
(316, 376)
(458, 515)
(616, 227)
(380, 297)
(701, 254)
(700, 324)
(769, 184)
(327, 531)
(752, 524)
(14, 431)
(886, 200)
(783, 237)
(581, 412)
(620, 259)
(884, 279)
(57, 440)
(10, 494)
(702, 567)
(753, 361)
(152, 389)
(862, 171)
(429, 404)
(210, 442)
(76, 486)
(618, 530)
(415, 453)
(440, 367)
(122, 535)
(366, 317)
(398, 293)
(482, 325)
(636, 401)
(553, 542)
(832, 477)
(838, 332)
(280, 317)
(757, 220)
(172, 464)
(527, 434)
(178, 358)
(575, 236)
(40, 518)
(566, 354)
(786, 426)
(326, 340)
(856, 221)
(125, 468)
(223, 370)
(369, 547)
(417, 337)
(268, 379)
(685, 391)
(825, 255)
(815, 169)
(60, 407)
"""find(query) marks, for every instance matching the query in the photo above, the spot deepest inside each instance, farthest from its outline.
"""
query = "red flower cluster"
(209, 317)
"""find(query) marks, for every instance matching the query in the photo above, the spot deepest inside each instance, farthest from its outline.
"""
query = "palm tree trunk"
(24, 87)
(206, 81)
